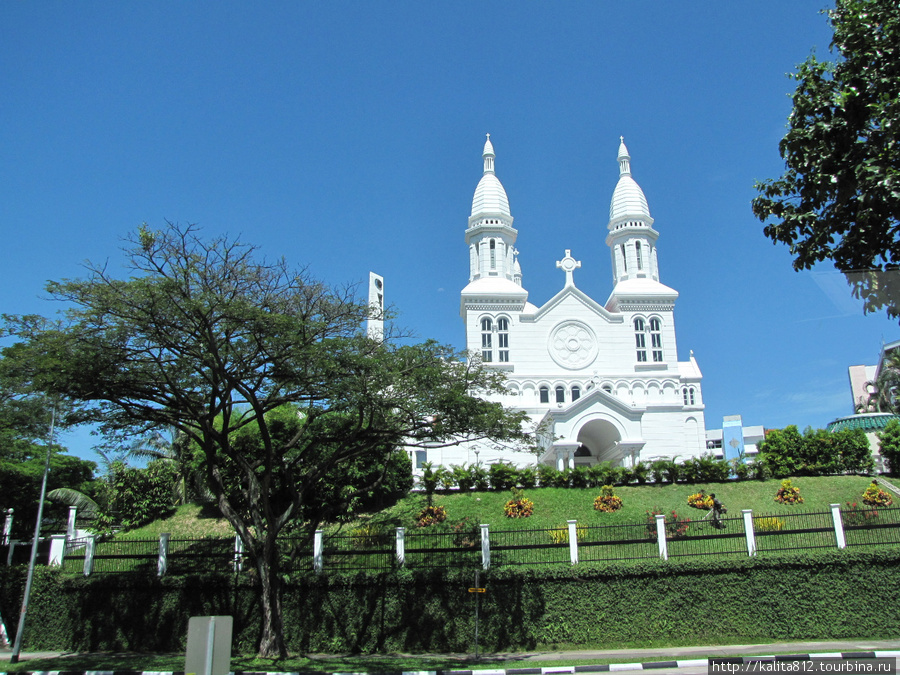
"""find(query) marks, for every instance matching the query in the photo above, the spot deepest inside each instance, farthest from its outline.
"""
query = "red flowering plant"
(854, 515)
(676, 526)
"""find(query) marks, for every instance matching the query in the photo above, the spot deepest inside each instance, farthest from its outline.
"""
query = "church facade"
(601, 381)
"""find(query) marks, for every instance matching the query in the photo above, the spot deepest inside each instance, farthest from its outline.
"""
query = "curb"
(553, 670)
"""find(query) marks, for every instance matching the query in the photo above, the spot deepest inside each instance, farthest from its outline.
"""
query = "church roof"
(494, 286)
(490, 197)
(868, 422)
(628, 199)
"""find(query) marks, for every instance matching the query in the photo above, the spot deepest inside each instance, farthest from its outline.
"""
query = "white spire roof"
(628, 199)
(490, 197)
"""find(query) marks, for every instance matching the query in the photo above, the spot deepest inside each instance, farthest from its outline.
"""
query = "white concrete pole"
(401, 546)
(748, 531)
(57, 549)
(838, 525)
(70, 525)
(661, 536)
(162, 563)
(318, 551)
(485, 547)
(7, 527)
(89, 555)
(573, 541)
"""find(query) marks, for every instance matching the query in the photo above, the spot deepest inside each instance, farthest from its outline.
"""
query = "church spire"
(488, 155)
(624, 158)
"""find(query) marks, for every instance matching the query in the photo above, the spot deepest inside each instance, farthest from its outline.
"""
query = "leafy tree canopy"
(839, 198)
(205, 339)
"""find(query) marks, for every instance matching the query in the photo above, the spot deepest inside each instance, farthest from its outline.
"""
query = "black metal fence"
(374, 550)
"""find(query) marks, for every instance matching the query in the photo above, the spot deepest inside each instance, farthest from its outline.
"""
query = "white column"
(318, 558)
(748, 531)
(560, 461)
(661, 536)
(70, 525)
(485, 547)
(7, 527)
(162, 564)
(573, 541)
(89, 554)
(57, 549)
(401, 546)
(570, 459)
(838, 525)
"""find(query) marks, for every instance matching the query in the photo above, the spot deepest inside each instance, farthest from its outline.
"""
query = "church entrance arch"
(601, 438)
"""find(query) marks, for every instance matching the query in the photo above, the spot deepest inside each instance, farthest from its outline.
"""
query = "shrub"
(641, 470)
(503, 476)
(607, 501)
(658, 470)
(369, 536)
(561, 534)
(465, 534)
(769, 524)
(519, 506)
(700, 500)
(479, 477)
(675, 526)
(875, 496)
(547, 475)
(854, 515)
(463, 477)
(580, 477)
(889, 440)
(527, 477)
(431, 515)
(788, 494)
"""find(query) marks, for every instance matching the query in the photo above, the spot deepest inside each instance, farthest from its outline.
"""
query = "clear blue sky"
(347, 136)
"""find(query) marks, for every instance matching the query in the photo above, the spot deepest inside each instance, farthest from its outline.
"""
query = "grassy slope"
(554, 506)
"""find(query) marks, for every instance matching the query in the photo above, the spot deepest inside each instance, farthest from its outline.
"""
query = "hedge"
(809, 596)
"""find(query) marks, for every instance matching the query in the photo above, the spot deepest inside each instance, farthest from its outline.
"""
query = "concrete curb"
(553, 670)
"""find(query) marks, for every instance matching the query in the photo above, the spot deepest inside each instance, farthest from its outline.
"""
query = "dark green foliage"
(133, 497)
(839, 198)
(704, 469)
(889, 438)
(692, 601)
(815, 453)
(503, 476)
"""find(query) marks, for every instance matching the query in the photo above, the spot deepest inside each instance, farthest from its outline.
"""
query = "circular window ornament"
(573, 345)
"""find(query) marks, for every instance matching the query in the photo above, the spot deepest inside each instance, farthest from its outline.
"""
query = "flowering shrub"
(788, 494)
(431, 515)
(519, 506)
(769, 524)
(561, 534)
(700, 500)
(875, 496)
(854, 515)
(369, 536)
(675, 526)
(465, 534)
(607, 501)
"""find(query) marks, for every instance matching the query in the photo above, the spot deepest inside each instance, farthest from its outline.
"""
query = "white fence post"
(89, 554)
(57, 549)
(401, 546)
(748, 531)
(661, 536)
(485, 547)
(238, 562)
(7, 526)
(12, 547)
(162, 563)
(838, 525)
(70, 525)
(318, 558)
(573, 541)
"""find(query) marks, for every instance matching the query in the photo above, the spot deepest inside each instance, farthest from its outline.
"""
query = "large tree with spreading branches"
(205, 338)
(839, 198)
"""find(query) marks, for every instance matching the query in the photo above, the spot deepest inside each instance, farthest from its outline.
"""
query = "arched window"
(607, 388)
(637, 251)
(688, 393)
(624, 259)
(576, 392)
(493, 254)
(560, 394)
(503, 339)
(487, 353)
(640, 340)
(545, 394)
(656, 340)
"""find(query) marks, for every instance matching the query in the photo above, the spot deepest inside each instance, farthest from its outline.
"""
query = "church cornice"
(576, 292)
(489, 305)
(619, 305)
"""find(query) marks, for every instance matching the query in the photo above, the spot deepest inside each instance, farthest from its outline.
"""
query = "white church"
(602, 381)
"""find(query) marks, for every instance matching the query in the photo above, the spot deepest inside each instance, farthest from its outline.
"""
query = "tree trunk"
(271, 642)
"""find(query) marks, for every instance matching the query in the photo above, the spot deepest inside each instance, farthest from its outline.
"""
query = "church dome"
(490, 197)
(628, 199)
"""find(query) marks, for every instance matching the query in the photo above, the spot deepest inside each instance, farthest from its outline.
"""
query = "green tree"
(889, 438)
(203, 338)
(839, 198)
(781, 450)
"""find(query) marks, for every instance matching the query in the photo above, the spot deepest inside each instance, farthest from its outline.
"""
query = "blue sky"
(347, 136)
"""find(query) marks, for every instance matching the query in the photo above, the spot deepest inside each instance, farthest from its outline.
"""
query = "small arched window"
(689, 398)
(493, 254)
(503, 339)
(576, 392)
(624, 258)
(656, 340)
(640, 340)
(487, 329)
(560, 394)
(637, 252)
(545, 394)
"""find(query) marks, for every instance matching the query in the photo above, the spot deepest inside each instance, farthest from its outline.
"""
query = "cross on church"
(569, 265)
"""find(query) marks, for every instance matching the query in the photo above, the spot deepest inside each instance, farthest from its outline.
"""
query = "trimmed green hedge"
(825, 595)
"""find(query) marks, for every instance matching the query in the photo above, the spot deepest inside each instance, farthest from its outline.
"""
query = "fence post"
(485, 547)
(238, 553)
(57, 549)
(317, 552)
(70, 525)
(89, 555)
(661, 536)
(573, 541)
(401, 546)
(7, 526)
(12, 547)
(748, 531)
(162, 564)
(838, 525)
